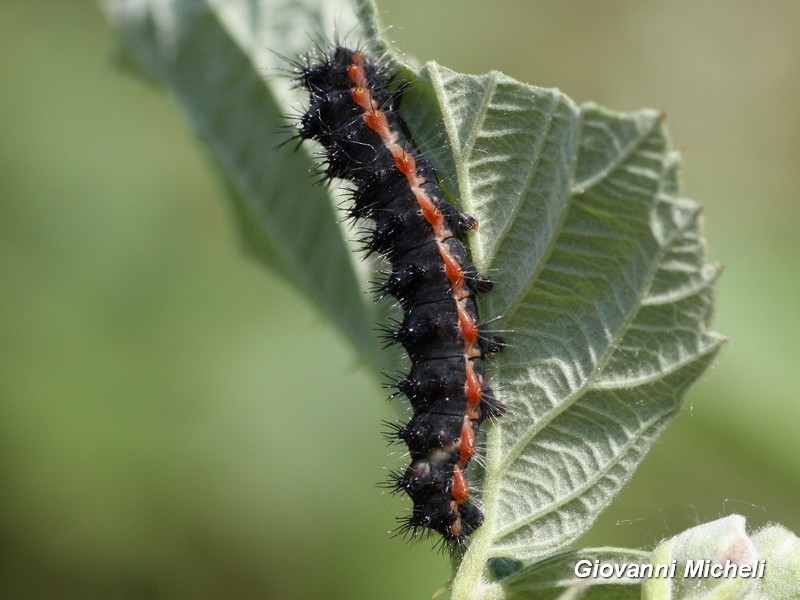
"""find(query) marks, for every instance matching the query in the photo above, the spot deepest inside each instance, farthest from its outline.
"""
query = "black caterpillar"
(352, 113)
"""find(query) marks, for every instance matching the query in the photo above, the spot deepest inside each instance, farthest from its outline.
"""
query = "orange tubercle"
(468, 328)
(362, 97)
(405, 162)
(376, 120)
(460, 491)
(455, 527)
(452, 267)
(429, 210)
(466, 447)
(473, 388)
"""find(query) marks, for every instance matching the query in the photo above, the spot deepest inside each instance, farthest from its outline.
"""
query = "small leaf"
(781, 549)
(555, 577)
(771, 556)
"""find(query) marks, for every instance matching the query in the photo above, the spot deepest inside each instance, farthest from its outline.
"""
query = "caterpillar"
(352, 113)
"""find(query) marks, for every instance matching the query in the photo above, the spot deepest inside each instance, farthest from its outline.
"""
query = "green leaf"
(781, 549)
(774, 547)
(604, 288)
(599, 262)
(727, 540)
(555, 578)
(213, 57)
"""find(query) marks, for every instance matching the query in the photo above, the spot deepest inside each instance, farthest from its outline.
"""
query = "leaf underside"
(604, 291)
(223, 62)
(548, 579)
(599, 264)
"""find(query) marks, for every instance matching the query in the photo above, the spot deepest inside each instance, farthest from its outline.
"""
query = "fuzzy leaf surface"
(722, 542)
(554, 578)
(604, 290)
(213, 57)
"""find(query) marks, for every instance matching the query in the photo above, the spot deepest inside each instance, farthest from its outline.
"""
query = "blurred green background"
(161, 433)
